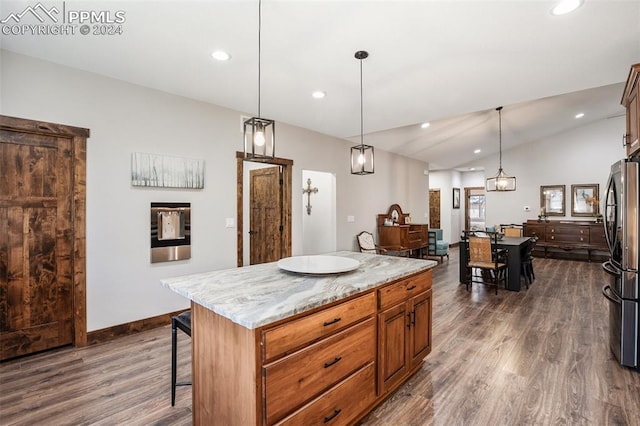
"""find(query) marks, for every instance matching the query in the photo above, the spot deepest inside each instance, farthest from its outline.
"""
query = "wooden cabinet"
(631, 102)
(567, 236)
(331, 365)
(404, 329)
(396, 233)
(315, 370)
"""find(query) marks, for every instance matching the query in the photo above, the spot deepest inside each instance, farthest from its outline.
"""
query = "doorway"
(265, 214)
(434, 209)
(274, 183)
(318, 212)
(474, 208)
(42, 249)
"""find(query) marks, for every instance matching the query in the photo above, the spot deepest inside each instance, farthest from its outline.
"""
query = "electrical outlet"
(351, 219)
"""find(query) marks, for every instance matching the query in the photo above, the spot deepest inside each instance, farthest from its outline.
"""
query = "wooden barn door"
(38, 265)
(265, 222)
(434, 208)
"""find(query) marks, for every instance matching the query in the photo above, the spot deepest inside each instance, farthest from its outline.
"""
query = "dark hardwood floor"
(536, 357)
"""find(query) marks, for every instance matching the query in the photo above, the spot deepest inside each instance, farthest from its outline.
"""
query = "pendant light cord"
(259, 49)
(500, 133)
(361, 109)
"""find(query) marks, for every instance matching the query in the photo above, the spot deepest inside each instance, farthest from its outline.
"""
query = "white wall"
(319, 227)
(450, 218)
(122, 285)
(581, 156)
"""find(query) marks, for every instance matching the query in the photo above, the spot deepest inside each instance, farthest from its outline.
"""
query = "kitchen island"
(275, 347)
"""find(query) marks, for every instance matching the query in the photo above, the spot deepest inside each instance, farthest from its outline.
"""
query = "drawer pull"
(333, 321)
(411, 288)
(332, 416)
(329, 364)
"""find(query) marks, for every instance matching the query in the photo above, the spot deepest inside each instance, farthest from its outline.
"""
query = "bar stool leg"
(174, 350)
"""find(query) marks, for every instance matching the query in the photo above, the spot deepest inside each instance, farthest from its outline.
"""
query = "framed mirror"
(584, 200)
(552, 200)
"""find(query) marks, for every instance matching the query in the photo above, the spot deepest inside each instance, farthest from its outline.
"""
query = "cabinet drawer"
(568, 230)
(568, 238)
(597, 238)
(403, 290)
(296, 334)
(295, 379)
(341, 404)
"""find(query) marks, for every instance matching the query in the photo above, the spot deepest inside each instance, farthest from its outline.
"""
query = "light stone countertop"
(257, 295)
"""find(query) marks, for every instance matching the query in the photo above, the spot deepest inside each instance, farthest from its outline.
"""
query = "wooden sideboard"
(397, 233)
(631, 102)
(567, 236)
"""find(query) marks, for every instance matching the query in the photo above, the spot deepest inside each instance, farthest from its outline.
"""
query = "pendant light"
(361, 155)
(259, 133)
(501, 182)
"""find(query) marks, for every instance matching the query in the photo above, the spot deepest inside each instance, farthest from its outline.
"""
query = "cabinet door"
(393, 325)
(420, 330)
(632, 103)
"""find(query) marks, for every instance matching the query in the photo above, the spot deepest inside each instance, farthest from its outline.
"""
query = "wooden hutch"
(397, 233)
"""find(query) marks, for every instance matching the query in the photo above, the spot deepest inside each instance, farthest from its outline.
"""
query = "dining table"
(514, 247)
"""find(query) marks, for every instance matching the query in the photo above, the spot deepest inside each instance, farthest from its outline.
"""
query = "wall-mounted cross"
(308, 190)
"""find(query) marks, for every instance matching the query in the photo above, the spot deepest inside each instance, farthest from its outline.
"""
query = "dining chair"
(526, 261)
(484, 255)
(368, 245)
(511, 230)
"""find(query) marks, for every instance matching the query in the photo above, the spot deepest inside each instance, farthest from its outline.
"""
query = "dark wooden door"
(265, 204)
(434, 208)
(36, 242)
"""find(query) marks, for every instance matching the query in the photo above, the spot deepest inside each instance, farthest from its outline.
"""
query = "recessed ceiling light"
(580, 115)
(565, 6)
(319, 94)
(477, 151)
(425, 125)
(220, 55)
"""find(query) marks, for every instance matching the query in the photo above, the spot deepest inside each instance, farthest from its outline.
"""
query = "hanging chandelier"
(361, 155)
(501, 181)
(259, 133)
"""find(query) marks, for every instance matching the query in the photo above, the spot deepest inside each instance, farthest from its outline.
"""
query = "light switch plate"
(229, 222)
(351, 219)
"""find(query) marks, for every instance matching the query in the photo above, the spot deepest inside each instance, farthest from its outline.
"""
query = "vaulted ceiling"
(450, 63)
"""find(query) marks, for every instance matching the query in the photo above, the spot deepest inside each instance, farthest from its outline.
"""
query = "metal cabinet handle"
(329, 364)
(333, 321)
(332, 416)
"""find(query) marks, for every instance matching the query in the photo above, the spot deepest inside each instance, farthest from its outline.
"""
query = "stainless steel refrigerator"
(622, 224)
